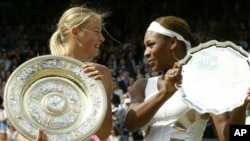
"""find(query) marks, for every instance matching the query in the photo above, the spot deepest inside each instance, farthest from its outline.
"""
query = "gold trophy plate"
(52, 93)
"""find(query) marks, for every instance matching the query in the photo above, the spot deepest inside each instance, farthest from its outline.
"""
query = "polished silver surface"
(216, 77)
(51, 92)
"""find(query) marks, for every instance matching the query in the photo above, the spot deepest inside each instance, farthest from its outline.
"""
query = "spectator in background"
(2, 87)
(114, 136)
(3, 122)
(5, 59)
(11, 133)
(113, 60)
(123, 79)
(2, 71)
(125, 134)
(17, 57)
(117, 90)
(115, 99)
(131, 64)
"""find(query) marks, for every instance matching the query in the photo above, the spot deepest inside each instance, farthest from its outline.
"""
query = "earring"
(176, 59)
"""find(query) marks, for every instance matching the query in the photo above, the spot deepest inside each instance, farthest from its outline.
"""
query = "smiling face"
(90, 38)
(158, 51)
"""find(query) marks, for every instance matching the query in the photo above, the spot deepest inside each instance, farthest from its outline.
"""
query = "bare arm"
(104, 130)
(138, 112)
(223, 121)
(141, 111)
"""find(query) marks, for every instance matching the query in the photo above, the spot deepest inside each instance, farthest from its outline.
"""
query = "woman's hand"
(173, 78)
(41, 136)
(92, 71)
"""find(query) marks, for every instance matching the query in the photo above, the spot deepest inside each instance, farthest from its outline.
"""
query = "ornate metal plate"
(216, 76)
(51, 92)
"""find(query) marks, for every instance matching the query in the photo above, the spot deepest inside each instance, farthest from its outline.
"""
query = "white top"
(174, 120)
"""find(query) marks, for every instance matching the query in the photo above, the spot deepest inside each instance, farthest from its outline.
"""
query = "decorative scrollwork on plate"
(51, 92)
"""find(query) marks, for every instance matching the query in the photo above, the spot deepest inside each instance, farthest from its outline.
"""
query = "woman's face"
(91, 38)
(157, 51)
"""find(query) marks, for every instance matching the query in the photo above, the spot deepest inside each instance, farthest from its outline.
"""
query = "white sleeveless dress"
(175, 120)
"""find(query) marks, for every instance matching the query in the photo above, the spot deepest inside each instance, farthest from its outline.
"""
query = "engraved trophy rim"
(211, 79)
(52, 93)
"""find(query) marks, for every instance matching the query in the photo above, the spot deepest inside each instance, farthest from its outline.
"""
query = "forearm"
(104, 131)
(238, 115)
(139, 114)
(223, 121)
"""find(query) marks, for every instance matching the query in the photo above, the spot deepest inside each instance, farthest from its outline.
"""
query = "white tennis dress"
(175, 120)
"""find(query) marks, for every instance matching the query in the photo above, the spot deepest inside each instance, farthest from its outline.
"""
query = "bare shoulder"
(140, 82)
(138, 90)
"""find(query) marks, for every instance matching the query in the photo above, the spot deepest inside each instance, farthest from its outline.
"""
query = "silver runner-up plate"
(52, 93)
(216, 77)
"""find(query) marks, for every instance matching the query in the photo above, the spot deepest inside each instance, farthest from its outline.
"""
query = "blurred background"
(26, 26)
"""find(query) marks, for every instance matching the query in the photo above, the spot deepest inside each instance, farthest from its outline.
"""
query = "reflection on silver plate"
(52, 93)
(216, 76)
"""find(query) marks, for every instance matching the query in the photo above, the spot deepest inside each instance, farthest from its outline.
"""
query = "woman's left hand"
(173, 78)
(92, 71)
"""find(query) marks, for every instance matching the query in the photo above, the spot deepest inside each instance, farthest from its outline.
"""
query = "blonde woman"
(79, 35)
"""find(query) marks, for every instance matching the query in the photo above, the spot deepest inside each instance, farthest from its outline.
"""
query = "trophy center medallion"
(54, 103)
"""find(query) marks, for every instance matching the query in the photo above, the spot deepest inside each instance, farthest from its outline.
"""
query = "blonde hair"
(75, 17)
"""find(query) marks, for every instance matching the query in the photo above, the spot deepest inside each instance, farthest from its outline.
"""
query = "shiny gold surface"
(51, 92)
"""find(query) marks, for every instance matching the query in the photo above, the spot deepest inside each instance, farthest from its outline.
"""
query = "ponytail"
(56, 43)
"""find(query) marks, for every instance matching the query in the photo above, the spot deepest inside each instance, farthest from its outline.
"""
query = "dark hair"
(180, 26)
